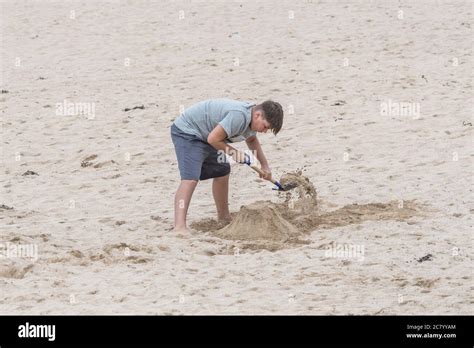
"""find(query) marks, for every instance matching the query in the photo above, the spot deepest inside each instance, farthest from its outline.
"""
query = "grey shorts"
(197, 159)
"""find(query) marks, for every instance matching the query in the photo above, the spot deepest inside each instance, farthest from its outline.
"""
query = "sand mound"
(304, 187)
(265, 224)
(273, 226)
(303, 198)
(259, 221)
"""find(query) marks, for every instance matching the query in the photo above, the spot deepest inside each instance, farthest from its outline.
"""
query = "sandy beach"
(378, 104)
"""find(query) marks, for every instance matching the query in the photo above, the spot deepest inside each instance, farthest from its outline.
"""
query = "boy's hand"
(268, 173)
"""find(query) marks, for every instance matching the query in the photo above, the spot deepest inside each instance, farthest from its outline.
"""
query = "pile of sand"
(300, 200)
(266, 224)
(259, 221)
(272, 226)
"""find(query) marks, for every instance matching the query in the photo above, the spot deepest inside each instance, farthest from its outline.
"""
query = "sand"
(89, 91)
(267, 225)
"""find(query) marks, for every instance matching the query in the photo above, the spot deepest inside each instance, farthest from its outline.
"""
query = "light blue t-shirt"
(201, 118)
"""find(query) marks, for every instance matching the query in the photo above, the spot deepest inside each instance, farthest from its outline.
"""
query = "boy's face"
(259, 123)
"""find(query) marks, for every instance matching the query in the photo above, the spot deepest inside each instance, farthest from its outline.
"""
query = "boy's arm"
(254, 145)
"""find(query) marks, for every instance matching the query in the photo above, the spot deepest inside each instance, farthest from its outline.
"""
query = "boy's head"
(265, 116)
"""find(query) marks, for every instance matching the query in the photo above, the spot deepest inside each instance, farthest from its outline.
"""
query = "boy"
(201, 135)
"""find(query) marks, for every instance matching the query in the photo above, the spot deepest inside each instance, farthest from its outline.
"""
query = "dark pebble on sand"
(29, 172)
(428, 257)
(135, 107)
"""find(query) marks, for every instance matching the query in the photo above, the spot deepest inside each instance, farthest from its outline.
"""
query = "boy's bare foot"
(181, 229)
(226, 219)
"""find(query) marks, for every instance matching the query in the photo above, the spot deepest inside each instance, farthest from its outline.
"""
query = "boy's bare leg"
(181, 203)
(220, 191)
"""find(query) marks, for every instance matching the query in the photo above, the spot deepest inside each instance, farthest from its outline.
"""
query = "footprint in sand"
(86, 162)
(89, 162)
(426, 283)
(104, 163)
(14, 269)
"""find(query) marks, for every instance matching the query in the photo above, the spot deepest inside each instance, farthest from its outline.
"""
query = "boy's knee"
(189, 182)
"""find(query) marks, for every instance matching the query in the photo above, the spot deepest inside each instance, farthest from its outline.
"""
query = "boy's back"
(201, 118)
